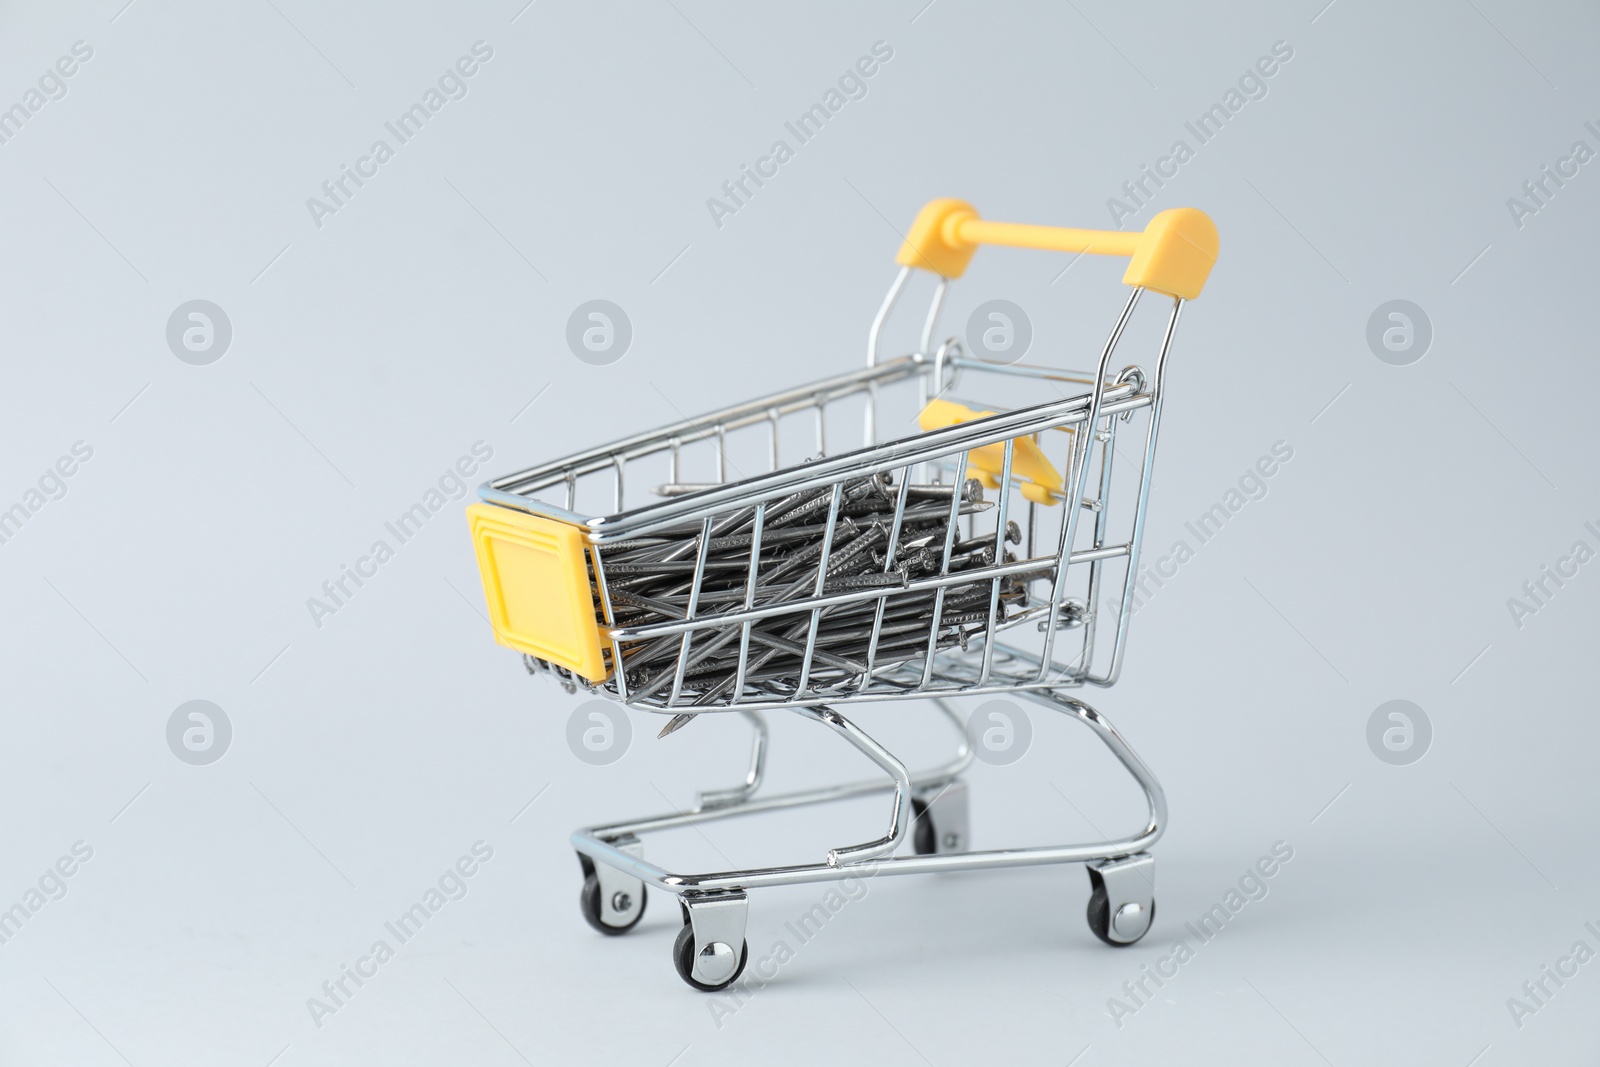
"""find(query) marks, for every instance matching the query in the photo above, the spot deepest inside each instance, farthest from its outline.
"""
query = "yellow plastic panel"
(1028, 460)
(536, 581)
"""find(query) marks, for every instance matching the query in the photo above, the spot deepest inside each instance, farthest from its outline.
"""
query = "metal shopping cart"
(977, 555)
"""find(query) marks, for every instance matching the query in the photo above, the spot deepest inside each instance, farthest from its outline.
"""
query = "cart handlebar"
(1173, 255)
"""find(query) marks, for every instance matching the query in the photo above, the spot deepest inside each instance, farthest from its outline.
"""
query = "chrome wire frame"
(1099, 403)
(608, 844)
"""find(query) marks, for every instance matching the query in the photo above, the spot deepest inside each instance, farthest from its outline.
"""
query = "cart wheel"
(1100, 918)
(683, 960)
(923, 836)
(939, 819)
(620, 905)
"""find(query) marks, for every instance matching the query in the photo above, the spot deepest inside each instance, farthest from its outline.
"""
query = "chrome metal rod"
(929, 778)
(596, 843)
(1022, 370)
(923, 446)
(999, 556)
(797, 606)
(694, 605)
(1102, 517)
(688, 431)
(930, 325)
(896, 770)
(720, 798)
(1080, 475)
(876, 330)
(1157, 392)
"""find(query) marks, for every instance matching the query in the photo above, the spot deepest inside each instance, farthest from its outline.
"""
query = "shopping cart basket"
(976, 554)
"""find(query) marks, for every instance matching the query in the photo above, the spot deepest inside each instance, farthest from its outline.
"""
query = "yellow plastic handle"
(1173, 255)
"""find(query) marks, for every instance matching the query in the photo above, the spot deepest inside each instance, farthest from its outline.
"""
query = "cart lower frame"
(711, 950)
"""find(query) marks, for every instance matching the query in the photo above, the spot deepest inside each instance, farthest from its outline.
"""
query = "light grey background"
(429, 313)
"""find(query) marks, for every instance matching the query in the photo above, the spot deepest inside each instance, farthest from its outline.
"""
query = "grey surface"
(367, 355)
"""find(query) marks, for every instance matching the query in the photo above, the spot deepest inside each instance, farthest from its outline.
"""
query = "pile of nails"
(652, 579)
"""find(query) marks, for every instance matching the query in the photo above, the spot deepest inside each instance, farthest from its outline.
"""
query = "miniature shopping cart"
(920, 543)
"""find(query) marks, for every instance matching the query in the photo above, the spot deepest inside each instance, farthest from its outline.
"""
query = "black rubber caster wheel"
(1100, 918)
(683, 960)
(589, 903)
(923, 833)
